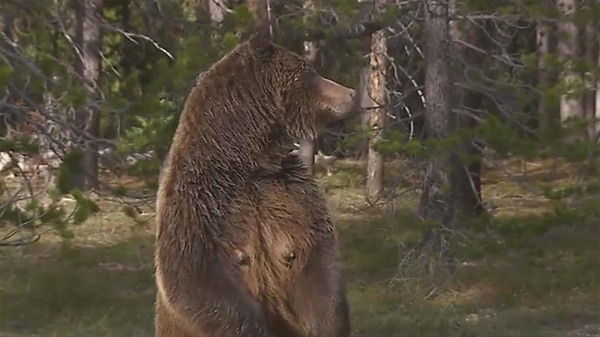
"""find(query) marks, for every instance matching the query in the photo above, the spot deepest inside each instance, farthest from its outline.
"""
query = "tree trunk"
(571, 102)
(465, 174)
(260, 8)
(202, 9)
(591, 49)
(217, 9)
(549, 115)
(377, 92)
(365, 103)
(89, 40)
(597, 110)
(8, 41)
(311, 50)
(436, 203)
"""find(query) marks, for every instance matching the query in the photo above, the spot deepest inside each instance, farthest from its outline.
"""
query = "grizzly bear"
(244, 243)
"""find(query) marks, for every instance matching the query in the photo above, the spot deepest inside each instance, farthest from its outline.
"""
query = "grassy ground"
(533, 270)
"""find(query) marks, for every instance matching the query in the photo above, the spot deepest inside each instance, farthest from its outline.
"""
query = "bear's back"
(276, 219)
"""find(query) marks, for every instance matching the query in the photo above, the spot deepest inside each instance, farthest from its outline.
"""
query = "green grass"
(532, 270)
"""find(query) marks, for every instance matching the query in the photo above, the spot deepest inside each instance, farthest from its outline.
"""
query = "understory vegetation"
(531, 269)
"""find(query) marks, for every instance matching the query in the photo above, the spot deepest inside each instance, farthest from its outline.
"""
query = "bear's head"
(309, 101)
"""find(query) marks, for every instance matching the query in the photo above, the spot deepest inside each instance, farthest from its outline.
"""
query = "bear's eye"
(241, 258)
(289, 257)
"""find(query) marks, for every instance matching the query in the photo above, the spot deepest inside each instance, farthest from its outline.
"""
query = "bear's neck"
(225, 158)
(235, 152)
(233, 132)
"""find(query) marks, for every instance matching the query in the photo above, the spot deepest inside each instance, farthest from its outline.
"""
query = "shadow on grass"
(515, 276)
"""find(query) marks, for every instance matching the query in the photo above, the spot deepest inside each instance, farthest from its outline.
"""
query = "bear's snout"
(348, 104)
(337, 98)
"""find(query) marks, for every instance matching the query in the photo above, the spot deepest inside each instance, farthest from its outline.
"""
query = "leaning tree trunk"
(89, 38)
(571, 102)
(436, 202)
(377, 122)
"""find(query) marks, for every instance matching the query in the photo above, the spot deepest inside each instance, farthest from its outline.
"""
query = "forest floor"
(532, 270)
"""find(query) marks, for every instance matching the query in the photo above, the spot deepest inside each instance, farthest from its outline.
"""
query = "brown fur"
(245, 246)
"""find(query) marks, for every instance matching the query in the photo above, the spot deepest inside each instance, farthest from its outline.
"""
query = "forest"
(465, 193)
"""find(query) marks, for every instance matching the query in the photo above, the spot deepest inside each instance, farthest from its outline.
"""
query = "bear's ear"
(261, 40)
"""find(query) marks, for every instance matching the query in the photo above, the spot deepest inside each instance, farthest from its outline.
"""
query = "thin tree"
(465, 164)
(202, 10)
(549, 115)
(311, 50)
(8, 42)
(597, 110)
(88, 65)
(571, 103)
(366, 103)
(260, 8)
(436, 203)
(590, 46)
(378, 66)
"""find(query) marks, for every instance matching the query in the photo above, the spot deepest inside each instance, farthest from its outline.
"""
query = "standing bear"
(245, 246)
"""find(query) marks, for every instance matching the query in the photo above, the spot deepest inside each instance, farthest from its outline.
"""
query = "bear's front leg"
(318, 295)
